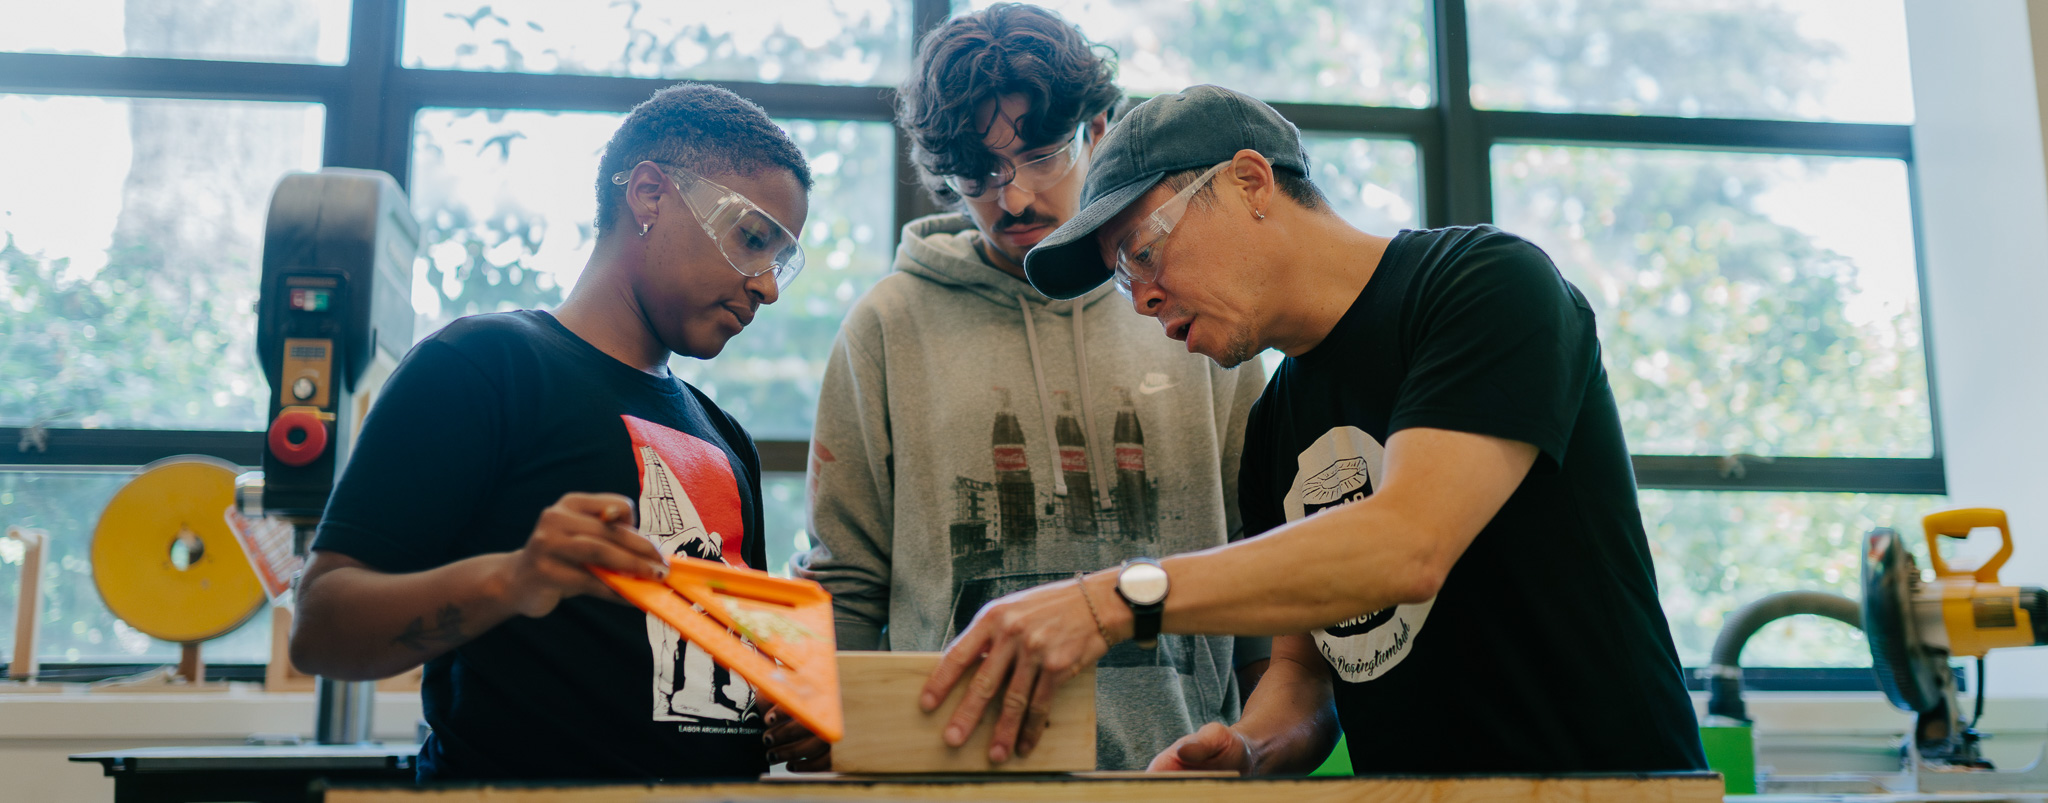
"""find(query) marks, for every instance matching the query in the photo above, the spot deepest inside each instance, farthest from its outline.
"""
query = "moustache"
(1030, 217)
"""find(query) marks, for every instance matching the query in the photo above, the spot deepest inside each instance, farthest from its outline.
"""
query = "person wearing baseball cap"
(1450, 556)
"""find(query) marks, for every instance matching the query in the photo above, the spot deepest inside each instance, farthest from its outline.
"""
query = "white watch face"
(1142, 584)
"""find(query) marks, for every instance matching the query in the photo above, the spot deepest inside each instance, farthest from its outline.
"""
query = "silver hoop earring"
(1258, 214)
(643, 229)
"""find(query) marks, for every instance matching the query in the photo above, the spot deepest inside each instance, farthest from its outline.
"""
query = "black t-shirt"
(1545, 650)
(485, 424)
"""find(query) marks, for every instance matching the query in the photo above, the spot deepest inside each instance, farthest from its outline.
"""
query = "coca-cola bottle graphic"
(1134, 516)
(1074, 465)
(1016, 496)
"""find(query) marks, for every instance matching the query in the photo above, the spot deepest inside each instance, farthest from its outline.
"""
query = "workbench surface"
(1901, 797)
(254, 757)
(1698, 787)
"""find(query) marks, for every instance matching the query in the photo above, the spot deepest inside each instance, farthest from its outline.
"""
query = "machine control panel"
(308, 363)
(311, 299)
(332, 317)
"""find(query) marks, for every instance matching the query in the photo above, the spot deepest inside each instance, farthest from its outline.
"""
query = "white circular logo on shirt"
(1344, 466)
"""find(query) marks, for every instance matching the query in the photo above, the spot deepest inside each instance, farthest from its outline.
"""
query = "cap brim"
(1067, 263)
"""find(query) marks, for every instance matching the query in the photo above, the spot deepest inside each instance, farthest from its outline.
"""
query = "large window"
(77, 627)
(853, 42)
(1729, 183)
(1833, 60)
(1365, 52)
(1747, 303)
(132, 235)
(288, 31)
(1719, 550)
(1754, 273)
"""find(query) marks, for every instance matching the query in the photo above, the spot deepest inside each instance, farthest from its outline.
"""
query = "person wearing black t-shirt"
(1453, 563)
(511, 451)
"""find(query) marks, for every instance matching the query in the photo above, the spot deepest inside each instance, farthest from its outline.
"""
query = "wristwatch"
(1142, 584)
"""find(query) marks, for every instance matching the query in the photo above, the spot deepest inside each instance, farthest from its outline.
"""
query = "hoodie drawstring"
(1059, 478)
(1088, 427)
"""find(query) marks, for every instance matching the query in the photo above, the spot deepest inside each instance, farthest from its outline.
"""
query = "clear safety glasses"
(1035, 176)
(1137, 254)
(752, 240)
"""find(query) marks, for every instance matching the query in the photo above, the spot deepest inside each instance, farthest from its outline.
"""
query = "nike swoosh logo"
(1154, 383)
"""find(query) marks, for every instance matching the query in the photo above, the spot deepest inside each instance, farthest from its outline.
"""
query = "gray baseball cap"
(1197, 127)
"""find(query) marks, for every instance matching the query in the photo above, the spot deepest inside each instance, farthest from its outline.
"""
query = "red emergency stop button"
(298, 436)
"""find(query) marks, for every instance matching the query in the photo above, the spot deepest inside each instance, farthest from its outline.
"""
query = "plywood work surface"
(887, 733)
(1700, 787)
(1092, 775)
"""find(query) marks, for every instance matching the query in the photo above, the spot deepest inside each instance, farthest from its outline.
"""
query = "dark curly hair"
(1005, 49)
(701, 127)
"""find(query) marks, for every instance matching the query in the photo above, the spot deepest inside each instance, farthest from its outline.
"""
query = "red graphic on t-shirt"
(705, 476)
(690, 506)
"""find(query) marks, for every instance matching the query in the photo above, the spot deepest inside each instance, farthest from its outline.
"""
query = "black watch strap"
(1145, 624)
(1146, 614)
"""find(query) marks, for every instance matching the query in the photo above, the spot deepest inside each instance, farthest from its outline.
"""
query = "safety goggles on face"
(1035, 176)
(1137, 254)
(752, 240)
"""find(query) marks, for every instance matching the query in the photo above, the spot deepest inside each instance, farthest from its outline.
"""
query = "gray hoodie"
(962, 453)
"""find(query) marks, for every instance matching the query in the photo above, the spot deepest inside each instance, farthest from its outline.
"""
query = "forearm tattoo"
(446, 631)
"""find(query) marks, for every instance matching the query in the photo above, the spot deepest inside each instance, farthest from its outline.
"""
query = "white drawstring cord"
(1087, 427)
(1059, 478)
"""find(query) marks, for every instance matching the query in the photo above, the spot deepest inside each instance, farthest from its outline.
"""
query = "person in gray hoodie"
(975, 438)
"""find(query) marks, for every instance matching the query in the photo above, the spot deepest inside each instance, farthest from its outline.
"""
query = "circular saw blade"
(163, 558)
(1913, 675)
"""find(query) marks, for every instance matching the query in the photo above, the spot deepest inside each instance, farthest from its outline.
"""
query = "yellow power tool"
(1915, 626)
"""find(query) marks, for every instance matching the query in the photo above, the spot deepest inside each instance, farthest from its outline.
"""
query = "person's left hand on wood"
(1027, 644)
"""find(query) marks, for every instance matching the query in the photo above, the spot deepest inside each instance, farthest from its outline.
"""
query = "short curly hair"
(1005, 49)
(701, 127)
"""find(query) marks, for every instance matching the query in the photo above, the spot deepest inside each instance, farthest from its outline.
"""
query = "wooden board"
(886, 733)
(1092, 775)
(1689, 787)
(28, 606)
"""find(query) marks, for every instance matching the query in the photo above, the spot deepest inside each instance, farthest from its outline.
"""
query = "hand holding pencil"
(580, 532)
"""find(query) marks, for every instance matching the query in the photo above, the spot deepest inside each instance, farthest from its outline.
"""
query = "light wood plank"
(28, 607)
(1703, 787)
(886, 733)
(1094, 775)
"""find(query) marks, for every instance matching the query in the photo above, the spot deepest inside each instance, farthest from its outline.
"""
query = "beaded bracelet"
(1081, 584)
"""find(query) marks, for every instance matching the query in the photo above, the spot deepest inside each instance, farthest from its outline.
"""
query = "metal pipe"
(345, 710)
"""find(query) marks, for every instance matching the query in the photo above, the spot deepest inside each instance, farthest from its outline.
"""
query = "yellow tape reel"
(163, 558)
